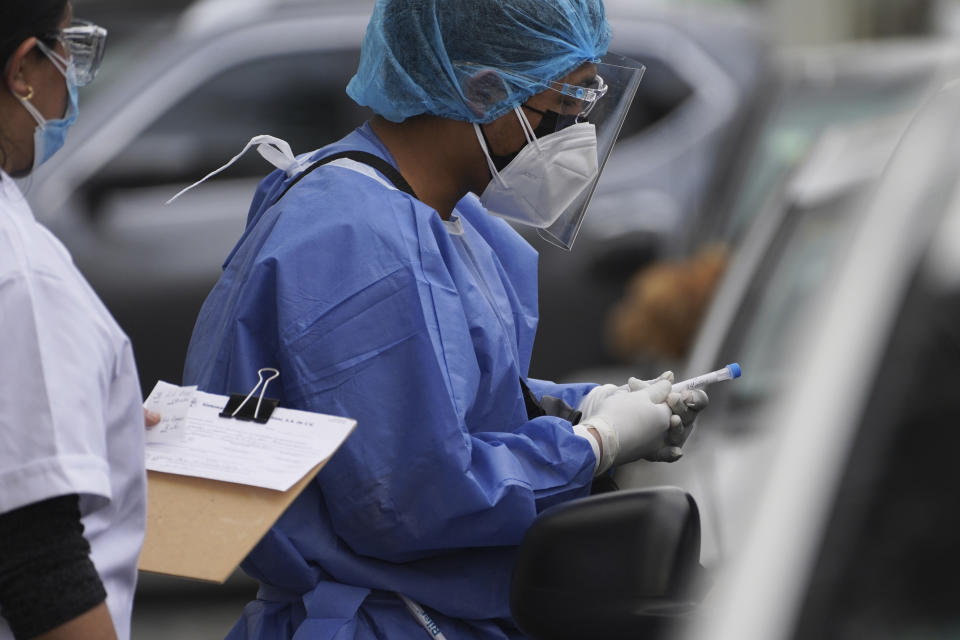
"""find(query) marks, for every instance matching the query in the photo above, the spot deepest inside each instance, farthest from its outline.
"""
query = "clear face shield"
(603, 103)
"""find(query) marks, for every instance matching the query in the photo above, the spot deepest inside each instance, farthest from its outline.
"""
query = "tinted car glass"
(811, 216)
(175, 253)
(797, 266)
(797, 114)
(802, 262)
(889, 567)
(299, 98)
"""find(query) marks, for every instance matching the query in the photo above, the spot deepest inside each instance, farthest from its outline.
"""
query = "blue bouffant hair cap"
(472, 60)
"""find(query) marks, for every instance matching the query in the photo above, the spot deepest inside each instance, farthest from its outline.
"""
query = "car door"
(782, 267)
(180, 112)
(851, 536)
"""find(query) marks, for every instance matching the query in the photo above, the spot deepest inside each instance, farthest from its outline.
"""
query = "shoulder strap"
(369, 159)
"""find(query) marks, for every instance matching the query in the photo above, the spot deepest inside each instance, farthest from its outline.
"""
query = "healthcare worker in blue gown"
(379, 276)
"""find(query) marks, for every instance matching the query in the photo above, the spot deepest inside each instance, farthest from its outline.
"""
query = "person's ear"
(483, 90)
(18, 69)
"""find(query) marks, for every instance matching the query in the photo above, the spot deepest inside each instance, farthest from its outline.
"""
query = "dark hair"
(21, 19)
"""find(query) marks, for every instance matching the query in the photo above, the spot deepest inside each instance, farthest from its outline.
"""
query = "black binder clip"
(264, 407)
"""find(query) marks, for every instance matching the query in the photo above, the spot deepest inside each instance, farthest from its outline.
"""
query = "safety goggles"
(580, 99)
(575, 107)
(84, 43)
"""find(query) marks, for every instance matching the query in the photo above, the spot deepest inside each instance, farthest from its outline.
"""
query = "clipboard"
(202, 528)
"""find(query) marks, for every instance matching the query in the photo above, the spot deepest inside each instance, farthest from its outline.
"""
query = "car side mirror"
(623, 564)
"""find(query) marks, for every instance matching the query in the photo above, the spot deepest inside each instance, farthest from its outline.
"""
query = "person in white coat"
(72, 479)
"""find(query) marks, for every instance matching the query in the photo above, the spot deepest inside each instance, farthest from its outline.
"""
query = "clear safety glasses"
(580, 100)
(84, 43)
(577, 103)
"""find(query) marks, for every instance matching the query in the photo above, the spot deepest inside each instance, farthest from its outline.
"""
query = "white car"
(826, 476)
(851, 533)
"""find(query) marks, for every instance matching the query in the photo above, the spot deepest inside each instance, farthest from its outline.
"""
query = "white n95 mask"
(545, 178)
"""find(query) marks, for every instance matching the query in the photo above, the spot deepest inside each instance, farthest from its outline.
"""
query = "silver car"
(165, 115)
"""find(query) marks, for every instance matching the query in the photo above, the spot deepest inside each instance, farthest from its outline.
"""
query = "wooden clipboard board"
(203, 529)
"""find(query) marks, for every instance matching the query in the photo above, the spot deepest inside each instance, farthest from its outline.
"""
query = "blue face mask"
(50, 135)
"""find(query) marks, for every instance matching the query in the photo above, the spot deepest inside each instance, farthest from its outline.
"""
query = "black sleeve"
(46, 575)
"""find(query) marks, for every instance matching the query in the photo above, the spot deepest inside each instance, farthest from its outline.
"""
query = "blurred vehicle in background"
(165, 115)
(831, 308)
(181, 93)
(706, 69)
(818, 292)
(813, 92)
(175, 111)
(812, 162)
(786, 259)
(835, 477)
(142, 21)
(840, 439)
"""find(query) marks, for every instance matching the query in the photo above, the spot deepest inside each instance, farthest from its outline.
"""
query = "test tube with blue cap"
(729, 372)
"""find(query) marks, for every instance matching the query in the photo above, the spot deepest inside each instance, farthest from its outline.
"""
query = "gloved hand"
(686, 406)
(588, 406)
(632, 424)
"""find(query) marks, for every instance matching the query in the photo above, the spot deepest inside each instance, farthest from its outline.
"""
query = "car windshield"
(820, 204)
(801, 111)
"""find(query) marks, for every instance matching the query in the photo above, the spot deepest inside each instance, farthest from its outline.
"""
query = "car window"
(888, 567)
(798, 265)
(812, 216)
(660, 93)
(298, 97)
(800, 111)
(802, 264)
(139, 253)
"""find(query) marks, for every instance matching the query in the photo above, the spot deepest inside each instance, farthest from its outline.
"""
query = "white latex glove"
(685, 405)
(588, 406)
(631, 424)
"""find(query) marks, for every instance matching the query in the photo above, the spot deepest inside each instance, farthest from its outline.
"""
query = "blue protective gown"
(371, 308)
